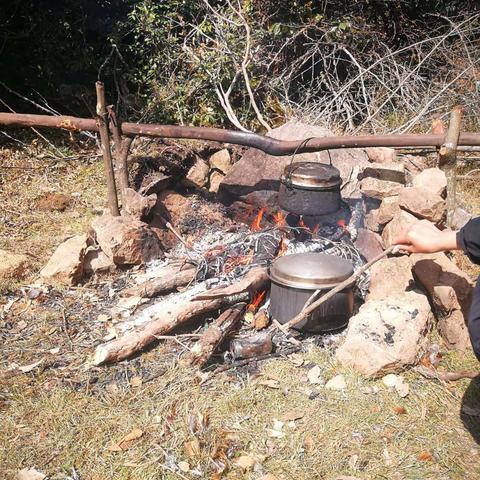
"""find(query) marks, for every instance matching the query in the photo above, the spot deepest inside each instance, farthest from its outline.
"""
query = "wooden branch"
(215, 335)
(157, 320)
(346, 283)
(268, 145)
(171, 279)
(122, 149)
(106, 152)
(255, 280)
(447, 160)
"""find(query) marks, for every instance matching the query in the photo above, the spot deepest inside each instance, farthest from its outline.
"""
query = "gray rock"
(381, 154)
(379, 189)
(376, 219)
(258, 174)
(401, 221)
(387, 335)
(392, 172)
(221, 160)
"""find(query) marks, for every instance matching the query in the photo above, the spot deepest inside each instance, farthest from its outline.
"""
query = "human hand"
(425, 237)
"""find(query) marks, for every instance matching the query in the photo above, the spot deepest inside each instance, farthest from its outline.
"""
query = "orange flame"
(257, 300)
(255, 226)
(279, 219)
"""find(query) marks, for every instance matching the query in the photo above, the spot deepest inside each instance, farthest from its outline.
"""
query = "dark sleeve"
(474, 321)
(468, 238)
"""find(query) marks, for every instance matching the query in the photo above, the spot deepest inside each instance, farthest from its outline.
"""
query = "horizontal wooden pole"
(269, 145)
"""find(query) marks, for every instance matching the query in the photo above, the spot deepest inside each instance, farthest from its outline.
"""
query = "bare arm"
(425, 237)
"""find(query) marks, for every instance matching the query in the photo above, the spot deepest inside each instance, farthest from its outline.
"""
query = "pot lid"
(310, 270)
(311, 175)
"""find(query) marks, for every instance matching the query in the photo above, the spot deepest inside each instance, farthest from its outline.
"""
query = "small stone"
(423, 203)
(390, 380)
(379, 189)
(336, 383)
(401, 387)
(66, 263)
(376, 219)
(221, 160)
(197, 176)
(381, 154)
(432, 179)
(136, 205)
(96, 261)
(126, 241)
(414, 164)
(368, 243)
(391, 172)
(460, 218)
(400, 222)
(215, 181)
(12, 265)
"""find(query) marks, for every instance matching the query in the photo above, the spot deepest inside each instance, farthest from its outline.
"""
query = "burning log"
(256, 279)
(215, 334)
(171, 278)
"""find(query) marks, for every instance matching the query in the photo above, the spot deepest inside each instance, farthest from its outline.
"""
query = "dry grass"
(63, 415)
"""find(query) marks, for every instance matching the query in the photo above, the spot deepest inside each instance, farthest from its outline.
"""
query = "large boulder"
(66, 264)
(450, 292)
(381, 154)
(257, 175)
(423, 203)
(432, 179)
(387, 335)
(12, 265)
(126, 241)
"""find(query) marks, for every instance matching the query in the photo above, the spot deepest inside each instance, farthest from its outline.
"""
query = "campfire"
(259, 268)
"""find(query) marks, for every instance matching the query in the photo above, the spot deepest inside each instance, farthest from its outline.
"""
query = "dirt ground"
(69, 420)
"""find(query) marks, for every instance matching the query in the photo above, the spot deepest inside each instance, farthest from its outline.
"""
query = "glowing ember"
(257, 300)
(341, 223)
(255, 226)
(279, 219)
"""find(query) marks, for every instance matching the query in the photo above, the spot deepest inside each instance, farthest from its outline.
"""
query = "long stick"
(346, 283)
(269, 145)
(122, 148)
(102, 125)
(448, 158)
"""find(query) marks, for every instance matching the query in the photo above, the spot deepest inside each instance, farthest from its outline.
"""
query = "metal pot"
(310, 188)
(294, 278)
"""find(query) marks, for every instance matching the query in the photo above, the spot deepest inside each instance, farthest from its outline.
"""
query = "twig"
(445, 376)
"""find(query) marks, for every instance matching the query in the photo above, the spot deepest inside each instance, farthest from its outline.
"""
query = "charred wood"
(215, 335)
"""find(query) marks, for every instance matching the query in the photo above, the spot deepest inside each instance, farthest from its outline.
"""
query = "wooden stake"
(106, 152)
(447, 160)
(122, 149)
